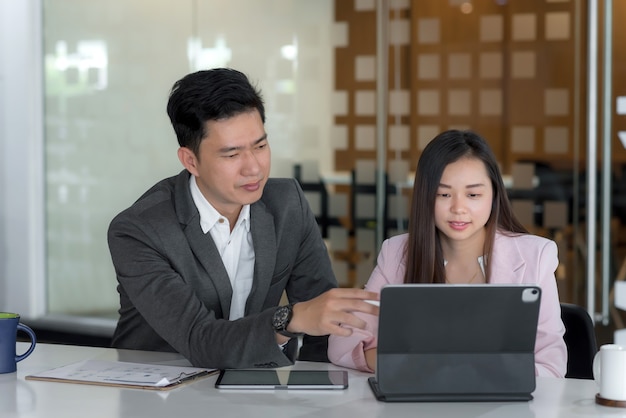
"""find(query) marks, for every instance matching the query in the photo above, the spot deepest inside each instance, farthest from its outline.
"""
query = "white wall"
(22, 286)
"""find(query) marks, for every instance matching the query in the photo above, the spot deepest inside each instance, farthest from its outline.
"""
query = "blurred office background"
(354, 91)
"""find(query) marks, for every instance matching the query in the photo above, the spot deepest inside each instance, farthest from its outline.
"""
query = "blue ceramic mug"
(9, 326)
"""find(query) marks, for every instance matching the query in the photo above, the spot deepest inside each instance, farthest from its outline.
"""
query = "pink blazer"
(527, 259)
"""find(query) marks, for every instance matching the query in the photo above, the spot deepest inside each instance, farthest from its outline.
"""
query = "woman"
(462, 230)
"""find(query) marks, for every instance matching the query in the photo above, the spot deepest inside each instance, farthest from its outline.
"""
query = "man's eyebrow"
(231, 149)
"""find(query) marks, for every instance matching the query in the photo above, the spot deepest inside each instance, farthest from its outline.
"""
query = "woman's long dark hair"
(423, 253)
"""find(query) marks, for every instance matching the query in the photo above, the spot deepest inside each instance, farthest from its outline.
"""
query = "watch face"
(281, 318)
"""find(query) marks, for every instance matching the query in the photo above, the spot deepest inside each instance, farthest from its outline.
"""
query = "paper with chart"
(118, 373)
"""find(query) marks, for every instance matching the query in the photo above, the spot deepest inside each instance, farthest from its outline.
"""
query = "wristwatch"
(281, 320)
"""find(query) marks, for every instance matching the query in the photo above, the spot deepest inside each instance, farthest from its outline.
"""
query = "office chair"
(580, 339)
(323, 218)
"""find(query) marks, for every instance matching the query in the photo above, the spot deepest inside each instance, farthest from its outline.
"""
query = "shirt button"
(221, 220)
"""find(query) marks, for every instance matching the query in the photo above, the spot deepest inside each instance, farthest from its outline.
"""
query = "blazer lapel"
(264, 241)
(202, 244)
(508, 264)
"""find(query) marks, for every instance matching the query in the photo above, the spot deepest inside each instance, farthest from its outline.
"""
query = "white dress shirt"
(235, 247)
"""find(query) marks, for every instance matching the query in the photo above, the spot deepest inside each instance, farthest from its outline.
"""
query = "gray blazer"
(174, 290)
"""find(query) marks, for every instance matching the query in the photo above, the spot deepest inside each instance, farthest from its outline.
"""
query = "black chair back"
(580, 339)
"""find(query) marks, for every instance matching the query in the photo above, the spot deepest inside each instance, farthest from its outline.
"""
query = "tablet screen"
(282, 379)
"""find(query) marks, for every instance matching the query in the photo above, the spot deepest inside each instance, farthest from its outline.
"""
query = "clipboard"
(123, 374)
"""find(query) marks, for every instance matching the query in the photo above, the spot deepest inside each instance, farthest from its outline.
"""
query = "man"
(203, 258)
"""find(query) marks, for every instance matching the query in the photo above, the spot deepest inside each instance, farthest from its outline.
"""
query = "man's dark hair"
(215, 94)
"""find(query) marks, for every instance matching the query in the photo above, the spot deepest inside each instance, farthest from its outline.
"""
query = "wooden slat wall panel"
(523, 112)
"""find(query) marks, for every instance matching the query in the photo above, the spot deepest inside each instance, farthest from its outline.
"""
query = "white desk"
(27, 398)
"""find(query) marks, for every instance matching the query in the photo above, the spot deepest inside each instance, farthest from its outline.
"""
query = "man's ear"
(188, 160)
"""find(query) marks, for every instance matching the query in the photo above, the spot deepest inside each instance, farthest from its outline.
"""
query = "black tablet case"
(456, 343)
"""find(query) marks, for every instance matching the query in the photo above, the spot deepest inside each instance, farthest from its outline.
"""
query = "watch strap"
(283, 329)
(289, 334)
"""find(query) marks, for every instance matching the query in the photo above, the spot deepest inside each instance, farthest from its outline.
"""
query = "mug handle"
(597, 367)
(33, 341)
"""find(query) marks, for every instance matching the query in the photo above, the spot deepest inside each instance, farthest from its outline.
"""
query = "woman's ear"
(188, 160)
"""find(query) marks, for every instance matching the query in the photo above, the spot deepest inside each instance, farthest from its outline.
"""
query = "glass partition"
(614, 122)
(108, 69)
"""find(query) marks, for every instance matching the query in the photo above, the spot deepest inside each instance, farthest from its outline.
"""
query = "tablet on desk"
(282, 379)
